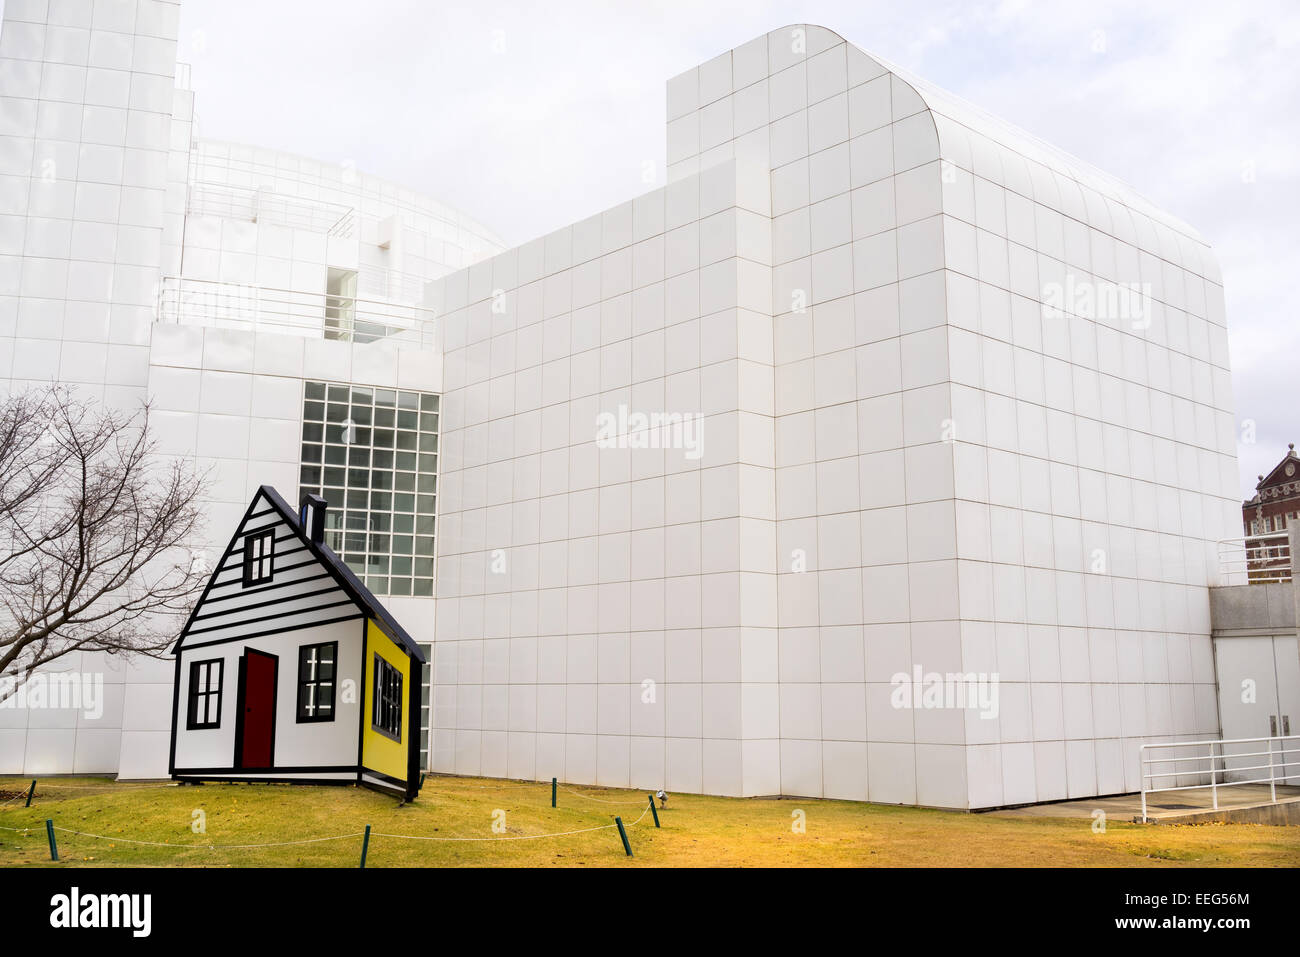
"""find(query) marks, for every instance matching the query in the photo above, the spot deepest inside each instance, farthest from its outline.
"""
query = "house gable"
(1285, 473)
(309, 585)
(303, 589)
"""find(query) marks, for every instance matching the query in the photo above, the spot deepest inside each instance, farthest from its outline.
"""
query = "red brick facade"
(1276, 505)
(1274, 509)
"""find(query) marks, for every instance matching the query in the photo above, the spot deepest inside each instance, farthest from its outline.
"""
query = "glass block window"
(426, 710)
(373, 455)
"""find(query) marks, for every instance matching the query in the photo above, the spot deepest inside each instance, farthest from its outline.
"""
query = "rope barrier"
(516, 837)
(500, 787)
(214, 847)
(204, 847)
(99, 787)
(537, 784)
(107, 784)
(138, 787)
(51, 827)
(479, 787)
(337, 837)
(601, 800)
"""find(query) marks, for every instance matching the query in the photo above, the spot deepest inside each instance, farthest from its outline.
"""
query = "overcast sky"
(528, 116)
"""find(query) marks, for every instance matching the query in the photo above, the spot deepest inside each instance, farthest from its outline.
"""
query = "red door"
(256, 738)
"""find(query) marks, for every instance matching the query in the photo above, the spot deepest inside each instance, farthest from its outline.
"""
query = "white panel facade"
(595, 603)
(982, 426)
(946, 399)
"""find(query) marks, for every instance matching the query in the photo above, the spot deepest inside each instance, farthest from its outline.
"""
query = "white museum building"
(876, 385)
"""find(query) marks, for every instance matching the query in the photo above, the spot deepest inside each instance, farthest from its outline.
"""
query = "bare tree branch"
(96, 533)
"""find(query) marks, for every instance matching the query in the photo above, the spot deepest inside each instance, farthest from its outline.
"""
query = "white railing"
(391, 284)
(205, 302)
(1259, 558)
(260, 205)
(1224, 757)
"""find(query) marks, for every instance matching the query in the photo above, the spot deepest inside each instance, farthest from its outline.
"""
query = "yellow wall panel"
(380, 752)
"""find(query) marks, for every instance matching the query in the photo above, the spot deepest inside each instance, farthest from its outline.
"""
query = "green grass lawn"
(697, 830)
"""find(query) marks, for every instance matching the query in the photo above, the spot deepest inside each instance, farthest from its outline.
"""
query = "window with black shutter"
(316, 666)
(204, 710)
(259, 552)
(387, 718)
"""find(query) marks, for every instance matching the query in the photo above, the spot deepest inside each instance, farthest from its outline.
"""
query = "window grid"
(387, 718)
(373, 455)
(205, 694)
(316, 664)
(259, 556)
(426, 691)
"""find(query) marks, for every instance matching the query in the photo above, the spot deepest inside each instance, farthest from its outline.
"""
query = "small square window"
(259, 556)
(387, 717)
(204, 710)
(316, 681)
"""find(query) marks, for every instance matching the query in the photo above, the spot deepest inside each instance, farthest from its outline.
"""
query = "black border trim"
(282, 584)
(264, 779)
(251, 606)
(286, 769)
(286, 614)
(273, 631)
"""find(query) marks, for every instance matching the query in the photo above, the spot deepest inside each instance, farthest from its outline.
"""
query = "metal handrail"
(302, 312)
(1184, 744)
(1264, 558)
(393, 283)
(260, 204)
(1217, 754)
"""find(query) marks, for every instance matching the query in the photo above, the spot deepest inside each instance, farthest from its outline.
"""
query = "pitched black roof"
(346, 578)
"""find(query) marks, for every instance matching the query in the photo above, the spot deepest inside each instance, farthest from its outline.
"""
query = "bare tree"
(96, 531)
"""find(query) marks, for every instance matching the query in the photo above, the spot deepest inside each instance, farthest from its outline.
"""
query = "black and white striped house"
(289, 669)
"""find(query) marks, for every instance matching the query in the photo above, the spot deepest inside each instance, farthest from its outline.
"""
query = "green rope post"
(49, 832)
(623, 834)
(30, 791)
(365, 846)
(552, 792)
(653, 811)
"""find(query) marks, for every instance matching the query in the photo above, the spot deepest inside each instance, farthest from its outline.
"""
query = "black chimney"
(311, 516)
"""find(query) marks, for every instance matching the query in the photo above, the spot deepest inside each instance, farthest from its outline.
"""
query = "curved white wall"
(925, 446)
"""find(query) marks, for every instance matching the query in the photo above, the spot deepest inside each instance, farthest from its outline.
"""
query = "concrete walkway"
(1245, 803)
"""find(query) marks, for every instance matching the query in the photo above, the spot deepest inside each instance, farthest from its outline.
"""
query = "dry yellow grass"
(697, 830)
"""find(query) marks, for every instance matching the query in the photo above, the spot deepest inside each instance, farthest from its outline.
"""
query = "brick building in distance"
(1274, 508)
